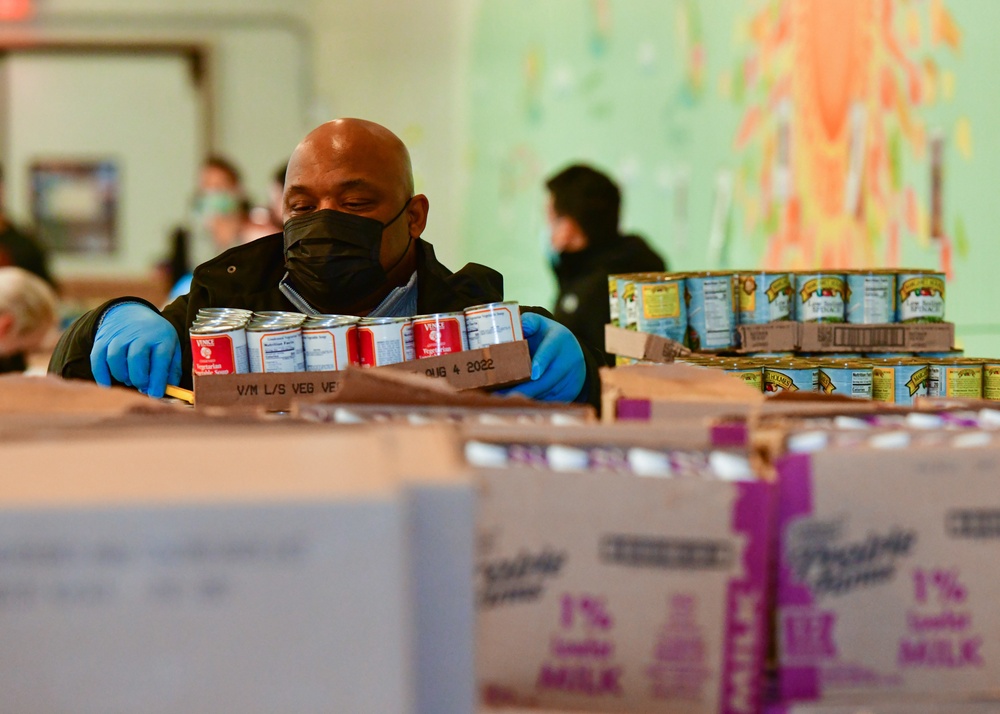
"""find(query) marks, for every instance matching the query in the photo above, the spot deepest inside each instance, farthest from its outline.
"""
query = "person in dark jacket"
(18, 248)
(351, 245)
(583, 213)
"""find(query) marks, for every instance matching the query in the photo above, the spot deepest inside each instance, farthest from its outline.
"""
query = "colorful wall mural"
(777, 133)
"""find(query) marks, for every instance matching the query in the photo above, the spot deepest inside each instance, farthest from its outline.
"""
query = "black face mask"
(333, 257)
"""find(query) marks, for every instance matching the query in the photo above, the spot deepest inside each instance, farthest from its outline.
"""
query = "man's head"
(27, 311)
(583, 208)
(359, 168)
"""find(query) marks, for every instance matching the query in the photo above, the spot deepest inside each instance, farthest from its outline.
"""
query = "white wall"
(279, 68)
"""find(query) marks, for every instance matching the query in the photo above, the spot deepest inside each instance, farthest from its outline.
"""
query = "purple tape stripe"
(731, 433)
(633, 409)
(747, 606)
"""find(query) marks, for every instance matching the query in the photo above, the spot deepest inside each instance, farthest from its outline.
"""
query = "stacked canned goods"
(897, 380)
(703, 310)
(236, 341)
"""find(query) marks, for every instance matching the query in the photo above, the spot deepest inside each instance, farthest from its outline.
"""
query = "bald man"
(351, 244)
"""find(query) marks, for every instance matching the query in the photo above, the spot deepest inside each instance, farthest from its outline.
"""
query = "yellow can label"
(825, 383)
(781, 286)
(661, 301)
(782, 381)
(991, 381)
(964, 382)
(884, 384)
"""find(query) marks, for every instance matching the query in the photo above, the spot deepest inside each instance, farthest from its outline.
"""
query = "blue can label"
(710, 312)
(765, 297)
(871, 298)
(846, 381)
(820, 298)
(779, 379)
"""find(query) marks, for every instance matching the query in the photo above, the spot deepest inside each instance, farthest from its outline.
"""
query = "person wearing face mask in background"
(586, 246)
(351, 244)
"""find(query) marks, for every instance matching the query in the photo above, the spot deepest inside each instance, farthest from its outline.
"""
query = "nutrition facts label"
(877, 302)
(718, 312)
(278, 352)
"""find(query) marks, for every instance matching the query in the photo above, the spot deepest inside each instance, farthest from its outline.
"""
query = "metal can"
(764, 297)
(847, 379)
(493, 324)
(991, 381)
(955, 378)
(613, 299)
(709, 298)
(219, 348)
(790, 376)
(657, 306)
(820, 297)
(921, 296)
(871, 297)
(899, 382)
(439, 334)
(281, 315)
(330, 342)
(751, 376)
(275, 346)
(384, 340)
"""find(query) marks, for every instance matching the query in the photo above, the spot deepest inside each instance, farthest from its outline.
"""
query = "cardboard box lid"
(677, 383)
(642, 345)
(198, 465)
(54, 395)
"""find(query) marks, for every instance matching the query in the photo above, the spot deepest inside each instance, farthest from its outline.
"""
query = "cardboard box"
(491, 367)
(795, 337)
(641, 345)
(236, 569)
(672, 393)
(887, 588)
(899, 337)
(604, 592)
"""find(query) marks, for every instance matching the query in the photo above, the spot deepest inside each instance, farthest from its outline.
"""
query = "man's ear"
(416, 214)
(6, 325)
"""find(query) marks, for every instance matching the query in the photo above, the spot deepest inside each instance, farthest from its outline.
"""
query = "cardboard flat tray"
(795, 337)
(488, 368)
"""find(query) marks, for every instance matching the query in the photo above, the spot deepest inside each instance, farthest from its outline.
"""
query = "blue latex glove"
(138, 347)
(558, 370)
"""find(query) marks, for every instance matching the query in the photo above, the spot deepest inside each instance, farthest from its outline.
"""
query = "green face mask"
(215, 203)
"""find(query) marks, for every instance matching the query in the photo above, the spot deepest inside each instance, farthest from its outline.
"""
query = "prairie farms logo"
(924, 286)
(781, 286)
(826, 287)
(819, 557)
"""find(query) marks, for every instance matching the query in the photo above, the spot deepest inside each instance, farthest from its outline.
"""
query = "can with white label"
(871, 297)
(493, 324)
(820, 297)
(921, 296)
(275, 346)
(710, 313)
(330, 342)
(385, 340)
(219, 348)
(439, 334)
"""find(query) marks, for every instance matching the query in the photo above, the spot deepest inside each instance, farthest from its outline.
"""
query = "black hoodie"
(582, 304)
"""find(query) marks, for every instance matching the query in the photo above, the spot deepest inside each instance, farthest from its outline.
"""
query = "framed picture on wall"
(75, 205)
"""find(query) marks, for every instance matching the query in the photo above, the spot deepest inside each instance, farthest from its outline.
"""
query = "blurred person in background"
(18, 248)
(27, 313)
(586, 246)
(222, 218)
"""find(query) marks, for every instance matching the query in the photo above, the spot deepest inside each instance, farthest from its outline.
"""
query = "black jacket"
(247, 276)
(583, 304)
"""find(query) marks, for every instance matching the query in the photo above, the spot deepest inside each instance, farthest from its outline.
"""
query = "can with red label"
(275, 346)
(493, 324)
(330, 342)
(385, 340)
(219, 348)
(439, 334)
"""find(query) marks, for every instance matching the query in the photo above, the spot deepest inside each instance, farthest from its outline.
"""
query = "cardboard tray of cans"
(795, 337)
(487, 368)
